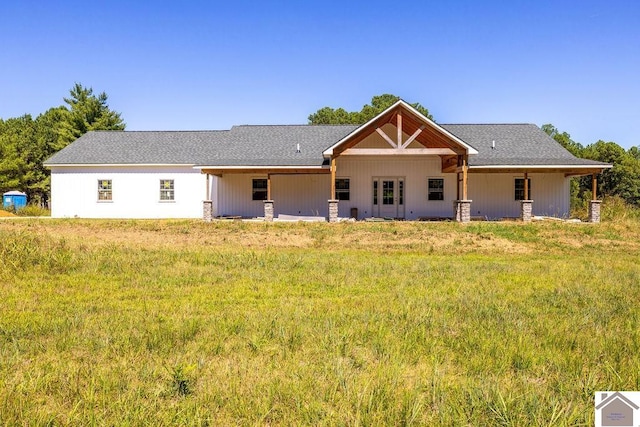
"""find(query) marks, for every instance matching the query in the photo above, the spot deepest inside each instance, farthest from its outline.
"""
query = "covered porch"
(402, 165)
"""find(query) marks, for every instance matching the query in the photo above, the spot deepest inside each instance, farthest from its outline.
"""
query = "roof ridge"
(160, 131)
(487, 124)
(292, 125)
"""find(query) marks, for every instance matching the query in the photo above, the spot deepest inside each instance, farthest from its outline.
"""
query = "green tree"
(624, 178)
(88, 112)
(339, 116)
(18, 149)
(563, 139)
(26, 143)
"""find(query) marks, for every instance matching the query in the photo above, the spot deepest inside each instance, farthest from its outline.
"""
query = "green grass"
(187, 323)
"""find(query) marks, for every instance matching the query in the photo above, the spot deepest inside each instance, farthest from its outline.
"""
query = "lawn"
(230, 323)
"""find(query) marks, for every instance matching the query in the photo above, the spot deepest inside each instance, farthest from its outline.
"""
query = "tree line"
(623, 180)
(25, 142)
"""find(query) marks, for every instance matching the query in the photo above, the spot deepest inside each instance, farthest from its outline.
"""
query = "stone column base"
(526, 207)
(268, 210)
(462, 210)
(594, 210)
(333, 211)
(207, 210)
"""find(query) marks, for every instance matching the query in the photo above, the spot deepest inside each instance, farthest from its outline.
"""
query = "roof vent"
(297, 148)
(493, 144)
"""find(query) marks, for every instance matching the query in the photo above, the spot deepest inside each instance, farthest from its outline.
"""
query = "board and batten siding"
(361, 171)
(493, 195)
(292, 195)
(136, 192)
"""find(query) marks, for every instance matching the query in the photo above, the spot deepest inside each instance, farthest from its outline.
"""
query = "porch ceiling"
(567, 170)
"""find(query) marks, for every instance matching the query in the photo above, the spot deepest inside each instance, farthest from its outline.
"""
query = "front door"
(388, 197)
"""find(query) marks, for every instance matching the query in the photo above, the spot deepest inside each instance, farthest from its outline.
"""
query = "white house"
(398, 165)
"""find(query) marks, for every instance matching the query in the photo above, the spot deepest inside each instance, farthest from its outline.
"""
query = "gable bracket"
(386, 137)
(399, 123)
(413, 137)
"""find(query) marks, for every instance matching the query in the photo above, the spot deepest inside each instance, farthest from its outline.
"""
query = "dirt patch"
(5, 214)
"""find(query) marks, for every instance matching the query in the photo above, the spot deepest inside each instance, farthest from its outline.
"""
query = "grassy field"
(189, 323)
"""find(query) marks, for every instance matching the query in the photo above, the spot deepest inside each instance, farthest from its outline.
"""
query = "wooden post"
(269, 186)
(526, 186)
(457, 185)
(333, 178)
(207, 195)
(594, 187)
(399, 130)
(464, 177)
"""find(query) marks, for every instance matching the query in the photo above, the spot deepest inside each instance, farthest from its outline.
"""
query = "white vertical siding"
(234, 196)
(493, 195)
(301, 194)
(213, 195)
(292, 194)
(136, 192)
(362, 169)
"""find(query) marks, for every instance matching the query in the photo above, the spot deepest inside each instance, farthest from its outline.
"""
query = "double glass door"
(388, 197)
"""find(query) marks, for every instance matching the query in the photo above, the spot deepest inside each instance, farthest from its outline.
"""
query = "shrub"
(33, 210)
(616, 208)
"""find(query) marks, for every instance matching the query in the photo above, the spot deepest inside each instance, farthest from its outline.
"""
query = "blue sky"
(211, 65)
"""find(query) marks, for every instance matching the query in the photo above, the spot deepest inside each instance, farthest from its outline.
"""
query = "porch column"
(268, 204)
(333, 202)
(464, 176)
(594, 204)
(462, 210)
(268, 210)
(526, 205)
(462, 207)
(207, 203)
(207, 210)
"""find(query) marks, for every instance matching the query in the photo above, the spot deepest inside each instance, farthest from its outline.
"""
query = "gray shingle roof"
(515, 144)
(275, 145)
(132, 147)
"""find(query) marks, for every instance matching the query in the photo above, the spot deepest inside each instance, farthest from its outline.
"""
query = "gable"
(409, 125)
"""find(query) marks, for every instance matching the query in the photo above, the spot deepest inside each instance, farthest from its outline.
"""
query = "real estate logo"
(617, 408)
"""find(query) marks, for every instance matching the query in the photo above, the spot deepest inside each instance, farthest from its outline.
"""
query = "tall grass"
(613, 208)
(33, 210)
(315, 324)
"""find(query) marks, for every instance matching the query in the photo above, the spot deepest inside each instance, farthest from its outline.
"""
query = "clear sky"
(191, 65)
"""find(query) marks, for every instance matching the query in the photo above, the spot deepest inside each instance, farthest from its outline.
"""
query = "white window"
(105, 190)
(166, 190)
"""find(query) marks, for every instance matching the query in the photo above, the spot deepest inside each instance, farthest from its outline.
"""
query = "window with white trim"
(167, 191)
(435, 189)
(105, 190)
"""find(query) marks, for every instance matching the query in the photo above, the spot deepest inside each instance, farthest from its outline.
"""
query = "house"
(400, 164)
(616, 410)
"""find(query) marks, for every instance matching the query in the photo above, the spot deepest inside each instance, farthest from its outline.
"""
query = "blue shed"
(14, 199)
